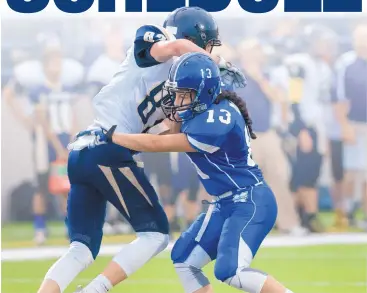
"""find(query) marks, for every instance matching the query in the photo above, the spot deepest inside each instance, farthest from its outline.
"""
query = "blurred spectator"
(334, 134)
(336, 161)
(106, 65)
(261, 96)
(283, 36)
(310, 84)
(50, 117)
(158, 167)
(351, 111)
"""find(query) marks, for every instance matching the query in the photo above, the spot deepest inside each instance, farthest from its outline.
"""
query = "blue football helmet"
(193, 85)
(195, 24)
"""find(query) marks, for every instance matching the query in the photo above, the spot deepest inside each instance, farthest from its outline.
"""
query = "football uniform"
(244, 208)
(108, 172)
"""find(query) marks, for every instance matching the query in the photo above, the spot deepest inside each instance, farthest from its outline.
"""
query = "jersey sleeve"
(146, 37)
(204, 143)
(206, 135)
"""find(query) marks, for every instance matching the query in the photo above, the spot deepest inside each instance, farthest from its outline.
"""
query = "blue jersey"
(223, 158)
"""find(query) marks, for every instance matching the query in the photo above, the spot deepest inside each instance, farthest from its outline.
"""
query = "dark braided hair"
(241, 104)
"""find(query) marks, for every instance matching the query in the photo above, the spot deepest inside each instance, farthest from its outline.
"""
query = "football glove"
(230, 74)
(102, 136)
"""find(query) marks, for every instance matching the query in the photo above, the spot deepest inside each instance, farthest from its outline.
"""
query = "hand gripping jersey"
(132, 99)
(223, 160)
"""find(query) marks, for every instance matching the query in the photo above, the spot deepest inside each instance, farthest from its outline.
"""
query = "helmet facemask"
(181, 104)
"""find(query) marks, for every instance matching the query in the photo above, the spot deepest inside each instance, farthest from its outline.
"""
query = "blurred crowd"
(306, 94)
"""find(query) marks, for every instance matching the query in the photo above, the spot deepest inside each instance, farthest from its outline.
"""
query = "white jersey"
(132, 98)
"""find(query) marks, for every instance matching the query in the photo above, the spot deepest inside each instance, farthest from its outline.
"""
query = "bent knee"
(157, 241)
(223, 273)
(225, 268)
(162, 241)
(81, 253)
(192, 278)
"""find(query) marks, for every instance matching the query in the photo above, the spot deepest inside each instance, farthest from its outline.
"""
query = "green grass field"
(317, 269)
(19, 235)
(313, 269)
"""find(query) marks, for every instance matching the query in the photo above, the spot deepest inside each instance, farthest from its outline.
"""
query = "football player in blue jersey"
(131, 101)
(214, 129)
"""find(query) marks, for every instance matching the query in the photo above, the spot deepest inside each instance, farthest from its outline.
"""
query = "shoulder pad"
(145, 37)
(72, 72)
(29, 74)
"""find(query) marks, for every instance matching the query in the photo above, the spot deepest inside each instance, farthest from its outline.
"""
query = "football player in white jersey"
(131, 101)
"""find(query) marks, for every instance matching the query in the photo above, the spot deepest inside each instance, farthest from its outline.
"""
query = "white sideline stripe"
(41, 253)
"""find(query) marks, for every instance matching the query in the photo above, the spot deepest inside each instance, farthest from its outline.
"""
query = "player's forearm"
(163, 51)
(136, 142)
(153, 142)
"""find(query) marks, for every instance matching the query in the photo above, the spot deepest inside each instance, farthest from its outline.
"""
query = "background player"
(215, 134)
(308, 97)
(109, 172)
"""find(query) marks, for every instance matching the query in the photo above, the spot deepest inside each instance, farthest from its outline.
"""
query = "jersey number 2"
(225, 119)
(151, 37)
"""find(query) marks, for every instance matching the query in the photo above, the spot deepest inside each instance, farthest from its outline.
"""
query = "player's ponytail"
(241, 104)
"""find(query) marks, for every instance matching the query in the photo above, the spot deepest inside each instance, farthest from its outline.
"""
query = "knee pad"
(134, 255)
(248, 280)
(74, 261)
(93, 243)
(192, 278)
(81, 253)
(158, 240)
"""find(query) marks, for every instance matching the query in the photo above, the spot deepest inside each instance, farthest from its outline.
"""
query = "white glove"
(230, 74)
